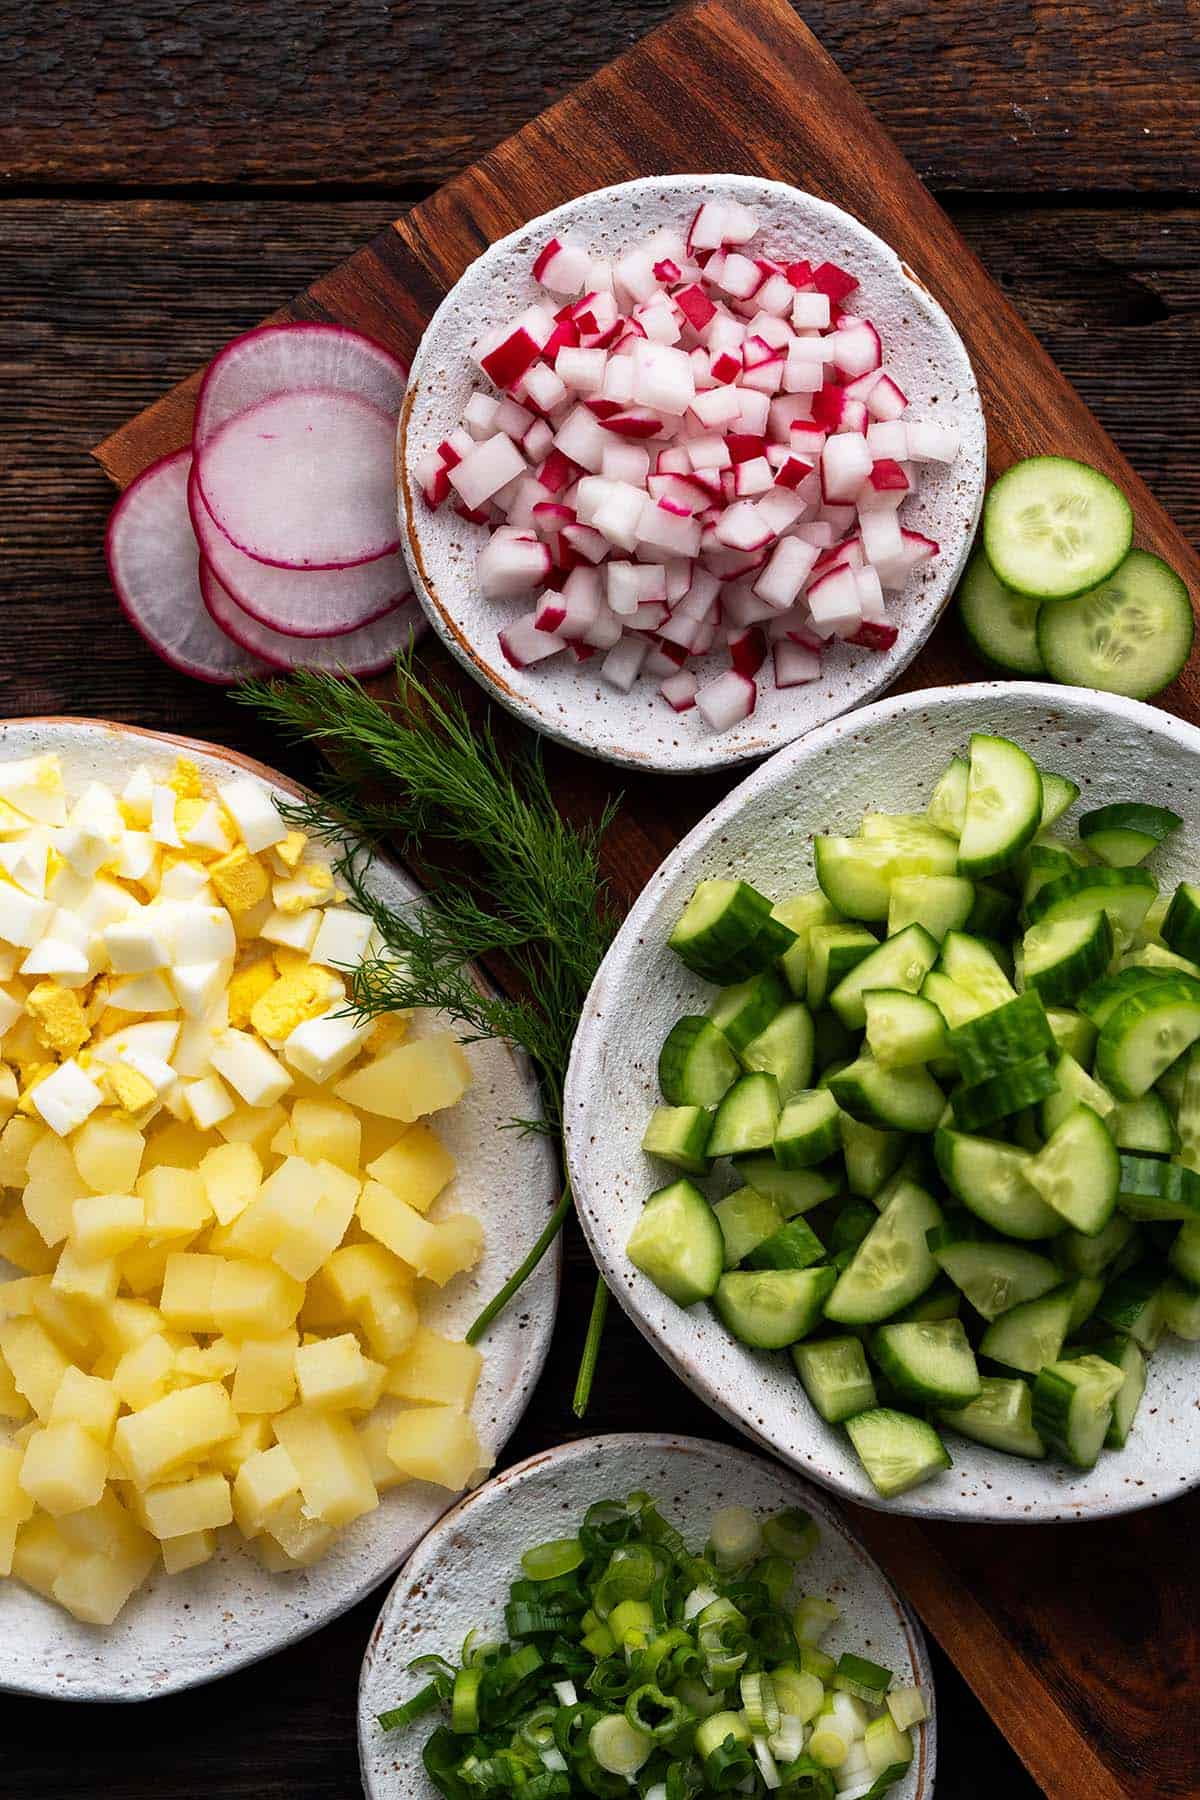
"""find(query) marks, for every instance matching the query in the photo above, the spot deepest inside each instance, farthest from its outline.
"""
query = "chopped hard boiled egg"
(229, 1195)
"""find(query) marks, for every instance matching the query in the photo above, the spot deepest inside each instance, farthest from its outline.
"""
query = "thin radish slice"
(301, 603)
(151, 554)
(295, 358)
(304, 480)
(363, 652)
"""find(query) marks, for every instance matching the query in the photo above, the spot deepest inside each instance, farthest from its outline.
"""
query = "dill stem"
(524, 1270)
(591, 1349)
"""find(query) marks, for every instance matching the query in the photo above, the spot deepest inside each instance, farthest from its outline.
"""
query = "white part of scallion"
(616, 1746)
(813, 1618)
(907, 1707)
(788, 1742)
(735, 1536)
(565, 1690)
(697, 1600)
(766, 1763)
(554, 1759)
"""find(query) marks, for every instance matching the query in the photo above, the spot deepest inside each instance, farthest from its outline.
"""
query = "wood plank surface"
(124, 292)
(1034, 94)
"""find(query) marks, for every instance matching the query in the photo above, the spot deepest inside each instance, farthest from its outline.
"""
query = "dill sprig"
(421, 772)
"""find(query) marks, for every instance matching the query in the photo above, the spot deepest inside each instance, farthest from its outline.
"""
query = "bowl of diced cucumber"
(883, 1117)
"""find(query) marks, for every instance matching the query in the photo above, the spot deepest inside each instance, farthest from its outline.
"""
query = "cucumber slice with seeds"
(768, 1309)
(742, 1011)
(992, 1274)
(1001, 624)
(902, 1028)
(1130, 634)
(835, 1376)
(793, 1191)
(1078, 1171)
(1004, 805)
(696, 1066)
(784, 1049)
(1030, 1336)
(972, 965)
(677, 1242)
(1073, 1033)
(807, 1130)
(1125, 834)
(901, 962)
(679, 1135)
(1124, 893)
(1081, 1255)
(1133, 1305)
(1073, 1405)
(1144, 1126)
(930, 1362)
(800, 914)
(746, 1118)
(1053, 528)
(1102, 999)
(897, 1451)
(890, 1099)
(1145, 1034)
(1075, 1087)
(940, 903)
(1001, 1416)
(947, 807)
(871, 1156)
(1059, 794)
(1065, 956)
(746, 1219)
(1126, 1355)
(833, 951)
(991, 1180)
(892, 1265)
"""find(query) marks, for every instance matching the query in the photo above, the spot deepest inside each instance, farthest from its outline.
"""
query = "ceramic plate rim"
(537, 1338)
(706, 753)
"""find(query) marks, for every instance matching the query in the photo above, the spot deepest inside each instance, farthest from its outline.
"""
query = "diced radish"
(679, 691)
(837, 283)
(917, 547)
(366, 651)
(648, 616)
(432, 479)
(662, 377)
(888, 438)
(794, 664)
(657, 321)
(626, 462)
(511, 563)
(563, 268)
(666, 525)
(595, 314)
(636, 422)
(886, 400)
(857, 349)
(930, 443)
(298, 602)
(716, 406)
(153, 564)
(742, 607)
(557, 471)
(486, 470)
(790, 565)
(806, 439)
(810, 311)
(741, 527)
(695, 305)
(819, 533)
(506, 362)
(833, 603)
(479, 415)
(587, 542)
(581, 438)
(791, 471)
(523, 644)
(619, 514)
(623, 664)
(538, 441)
(549, 516)
(795, 628)
(727, 700)
(802, 374)
(543, 387)
(745, 445)
(706, 228)
(629, 584)
(880, 536)
(752, 478)
(845, 465)
(747, 650)
(582, 370)
(860, 386)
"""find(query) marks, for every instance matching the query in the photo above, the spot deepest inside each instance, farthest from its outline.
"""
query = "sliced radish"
(295, 358)
(303, 603)
(153, 565)
(366, 651)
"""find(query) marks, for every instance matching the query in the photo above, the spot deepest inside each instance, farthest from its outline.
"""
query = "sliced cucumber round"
(1001, 624)
(1131, 634)
(1064, 956)
(1029, 1336)
(890, 1099)
(1125, 894)
(1124, 834)
(1004, 805)
(902, 1028)
(1053, 527)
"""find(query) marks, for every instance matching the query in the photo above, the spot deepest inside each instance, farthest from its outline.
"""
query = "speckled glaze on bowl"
(460, 1575)
(887, 756)
(183, 1630)
(569, 702)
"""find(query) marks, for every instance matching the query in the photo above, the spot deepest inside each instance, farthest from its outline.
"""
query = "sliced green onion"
(799, 1693)
(907, 1707)
(776, 1574)
(815, 1662)
(787, 1743)
(791, 1533)
(524, 1618)
(807, 1780)
(599, 1641)
(565, 1694)
(735, 1537)
(864, 1679)
(631, 1622)
(828, 1747)
(557, 1557)
(617, 1747)
(537, 1728)
(759, 1704)
(657, 1715)
(698, 1699)
(464, 1702)
(885, 1745)
(697, 1600)
(766, 1763)
(812, 1619)
(423, 1701)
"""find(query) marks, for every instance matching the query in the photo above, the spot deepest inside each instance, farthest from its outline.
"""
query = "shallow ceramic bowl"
(886, 757)
(569, 702)
(187, 1629)
(459, 1577)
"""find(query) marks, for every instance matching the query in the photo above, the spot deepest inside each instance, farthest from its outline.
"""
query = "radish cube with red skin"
(658, 322)
(581, 438)
(880, 535)
(550, 516)
(626, 462)
(833, 603)
(667, 525)
(802, 374)
(543, 387)
(783, 413)
(888, 438)
(887, 400)
(870, 594)
(753, 478)
(743, 445)
(845, 465)
(695, 305)
(702, 600)
(759, 351)
(918, 548)
(795, 628)
(490, 466)
(928, 442)
(794, 664)
(790, 472)
(562, 268)
(523, 644)
(741, 606)
(679, 691)
(667, 271)
(776, 295)
(564, 335)
(508, 361)
(755, 410)
(766, 380)
(605, 630)
(513, 419)
(557, 472)
(623, 664)
(725, 365)
(828, 279)
(618, 381)
(709, 453)
(702, 373)
(741, 527)
(662, 660)
(739, 277)
(747, 650)
(857, 349)
(687, 633)
(704, 232)
(875, 635)
(662, 377)
(586, 541)
(819, 533)
(854, 417)
(885, 487)
(799, 274)
(538, 441)
(791, 563)
(810, 312)
(479, 415)
(511, 563)
(633, 422)
(459, 444)
(726, 701)
(630, 584)
(647, 616)
(581, 370)
(596, 313)
(780, 509)
(519, 510)
(716, 406)
(635, 273)
(806, 438)
(678, 572)
(433, 479)
(619, 514)
(738, 223)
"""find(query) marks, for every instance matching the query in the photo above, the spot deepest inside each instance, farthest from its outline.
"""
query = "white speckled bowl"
(570, 703)
(183, 1630)
(886, 756)
(460, 1575)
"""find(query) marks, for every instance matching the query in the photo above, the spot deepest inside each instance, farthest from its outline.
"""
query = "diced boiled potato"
(13, 1404)
(265, 1381)
(437, 1369)
(144, 1372)
(86, 1400)
(142, 1269)
(437, 1443)
(416, 1168)
(231, 1175)
(178, 1508)
(457, 1246)
(175, 1144)
(95, 1588)
(180, 1428)
(16, 1141)
(208, 1362)
(64, 1468)
(52, 1188)
(175, 1201)
(411, 1080)
(323, 1131)
(333, 1374)
(126, 1323)
(299, 1216)
(22, 1245)
(334, 1477)
(253, 1434)
(70, 1321)
(383, 1215)
(255, 1299)
(188, 1552)
(108, 1152)
(108, 1528)
(36, 1362)
(15, 1504)
(374, 1291)
(103, 1225)
(255, 1125)
(189, 1281)
(95, 1282)
(264, 1483)
(41, 1553)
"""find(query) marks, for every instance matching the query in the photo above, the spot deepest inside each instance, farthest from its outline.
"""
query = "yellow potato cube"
(13, 1404)
(95, 1588)
(15, 1504)
(264, 1483)
(41, 1554)
(16, 1141)
(107, 1528)
(86, 1400)
(64, 1468)
(323, 1131)
(457, 1245)
(302, 1540)
(210, 1362)
(188, 1552)
(265, 1381)
(127, 1323)
(441, 1370)
(175, 1144)
(95, 1282)
(17, 1296)
(299, 1216)
(70, 1322)
(176, 1204)
(249, 984)
(321, 1311)
(334, 1374)
(383, 1215)
(255, 1299)
(416, 1168)
(108, 1152)
(411, 1080)
(104, 1225)
(438, 1444)
(22, 1245)
(253, 1434)
(178, 1508)
(373, 1435)
(188, 1286)
(378, 1136)
(142, 1269)
(334, 1477)
(255, 1125)
(143, 1374)
(231, 1175)
(35, 1360)
(180, 1428)
(52, 1187)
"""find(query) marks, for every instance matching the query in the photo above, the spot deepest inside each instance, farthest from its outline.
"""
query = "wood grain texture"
(1033, 94)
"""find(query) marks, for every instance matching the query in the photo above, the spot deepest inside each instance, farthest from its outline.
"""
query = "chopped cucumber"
(892, 1265)
(1144, 1126)
(1053, 528)
(794, 1246)
(947, 807)
(744, 1010)
(746, 1218)
(1152, 1190)
(1124, 1354)
(793, 1191)
(930, 1362)
(1059, 794)
(1001, 1095)
(897, 1451)
(1030, 1336)
(890, 1099)
(696, 1066)
(1010, 1033)
(1145, 1034)
(800, 914)
(902, 1028)
(1078, 1171)
(1124, 893)
(871, 1156)
(771, 1308)
(784, 1049)
(746, 1118)
(1075, 1087)
(1133, 1305)
(939, 903)
(679, 1135)
(1004, 805)
(1073, 1406)
(1065, 956)
(1124, 834)
(833, 950)
(835, 1376)
(807, 1130)
(720, 935)
(677, 1242)
(993, 1275)
(902, 962)
(971, 964)
(1129, 634)
(992, 1179)
(1001, 1416)
(1000, 623)
(1181, 922)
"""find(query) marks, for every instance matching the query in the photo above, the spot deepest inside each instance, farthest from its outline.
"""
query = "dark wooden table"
(169, 173)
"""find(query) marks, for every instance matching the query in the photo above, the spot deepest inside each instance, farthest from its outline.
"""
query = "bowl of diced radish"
(688, 466)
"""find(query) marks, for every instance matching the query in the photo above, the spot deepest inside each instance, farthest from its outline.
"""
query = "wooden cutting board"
(1083, 1641)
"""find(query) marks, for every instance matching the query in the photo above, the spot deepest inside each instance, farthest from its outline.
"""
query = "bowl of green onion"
(645, 1615)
